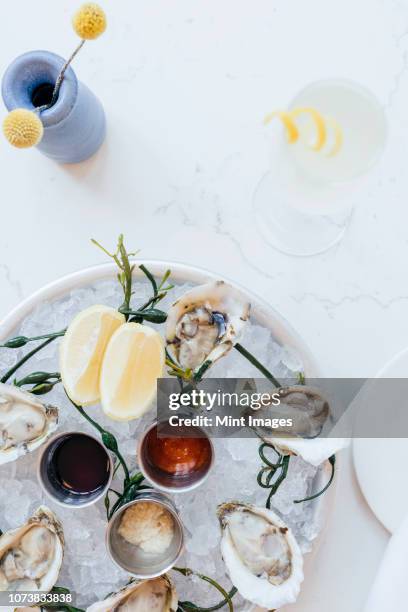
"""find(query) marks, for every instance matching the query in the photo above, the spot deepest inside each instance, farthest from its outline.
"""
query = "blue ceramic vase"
(75, 126)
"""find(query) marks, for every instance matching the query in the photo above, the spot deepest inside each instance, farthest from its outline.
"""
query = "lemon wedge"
(82, 351)
(133, 362)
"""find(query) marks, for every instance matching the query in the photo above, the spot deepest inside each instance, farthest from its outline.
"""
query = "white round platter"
(261, 312)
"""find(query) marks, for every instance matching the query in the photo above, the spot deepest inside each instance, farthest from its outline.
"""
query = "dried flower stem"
(60, 79)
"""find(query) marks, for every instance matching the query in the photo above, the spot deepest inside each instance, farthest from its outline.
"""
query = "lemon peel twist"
(321, 125)
(287, 120)
(23, 128)
(338, 136)
(89, 21)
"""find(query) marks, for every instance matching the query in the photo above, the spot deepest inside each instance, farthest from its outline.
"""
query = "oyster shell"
(31, 555)
(263, 559)
(154, 595)
(25, 423)
(311, 413)
(205, 323)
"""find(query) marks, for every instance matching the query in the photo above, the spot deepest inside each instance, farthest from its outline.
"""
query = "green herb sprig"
(20, 341)
(266, 476)
(187, 375)
(125, 274)
(159, 291)
(131, 484)
(184, 375)
(108, 440)
(43, 382)
(272, 474)
(279, 469)
(26, 358)
(332, 462)
(187, 606)
(153, 315)
(245, 353)
(61, 607)
(148, 311)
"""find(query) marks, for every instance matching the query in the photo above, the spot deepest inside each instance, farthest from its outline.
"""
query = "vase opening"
(42, 94)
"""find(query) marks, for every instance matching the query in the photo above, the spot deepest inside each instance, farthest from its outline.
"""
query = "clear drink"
(361, 120)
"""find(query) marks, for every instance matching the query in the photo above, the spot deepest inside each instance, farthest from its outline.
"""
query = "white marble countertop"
(185, 86)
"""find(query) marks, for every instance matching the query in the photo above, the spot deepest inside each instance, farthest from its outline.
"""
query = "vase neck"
(29, 82)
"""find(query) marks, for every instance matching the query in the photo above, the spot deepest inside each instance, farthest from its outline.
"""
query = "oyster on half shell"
(154, 595)
(31, 555)
(25, 423)
(263, 559)
(205, 323)
(310, 412)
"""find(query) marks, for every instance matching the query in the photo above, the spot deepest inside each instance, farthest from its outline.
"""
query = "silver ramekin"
(169, 483)
(56, 493)
(134, 560)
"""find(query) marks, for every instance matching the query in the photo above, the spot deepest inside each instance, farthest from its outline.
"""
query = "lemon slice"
(287, 120)
(133, 362)
(82, 351)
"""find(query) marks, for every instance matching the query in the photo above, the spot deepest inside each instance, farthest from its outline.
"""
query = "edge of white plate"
(358, 453)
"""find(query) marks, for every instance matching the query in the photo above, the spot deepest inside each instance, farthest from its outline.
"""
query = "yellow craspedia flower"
(23, 128)
(89, 21)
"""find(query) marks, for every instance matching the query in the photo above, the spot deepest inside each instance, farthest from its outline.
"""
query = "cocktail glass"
(305, 201)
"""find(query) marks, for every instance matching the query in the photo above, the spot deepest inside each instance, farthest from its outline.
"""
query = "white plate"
(382, 481)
